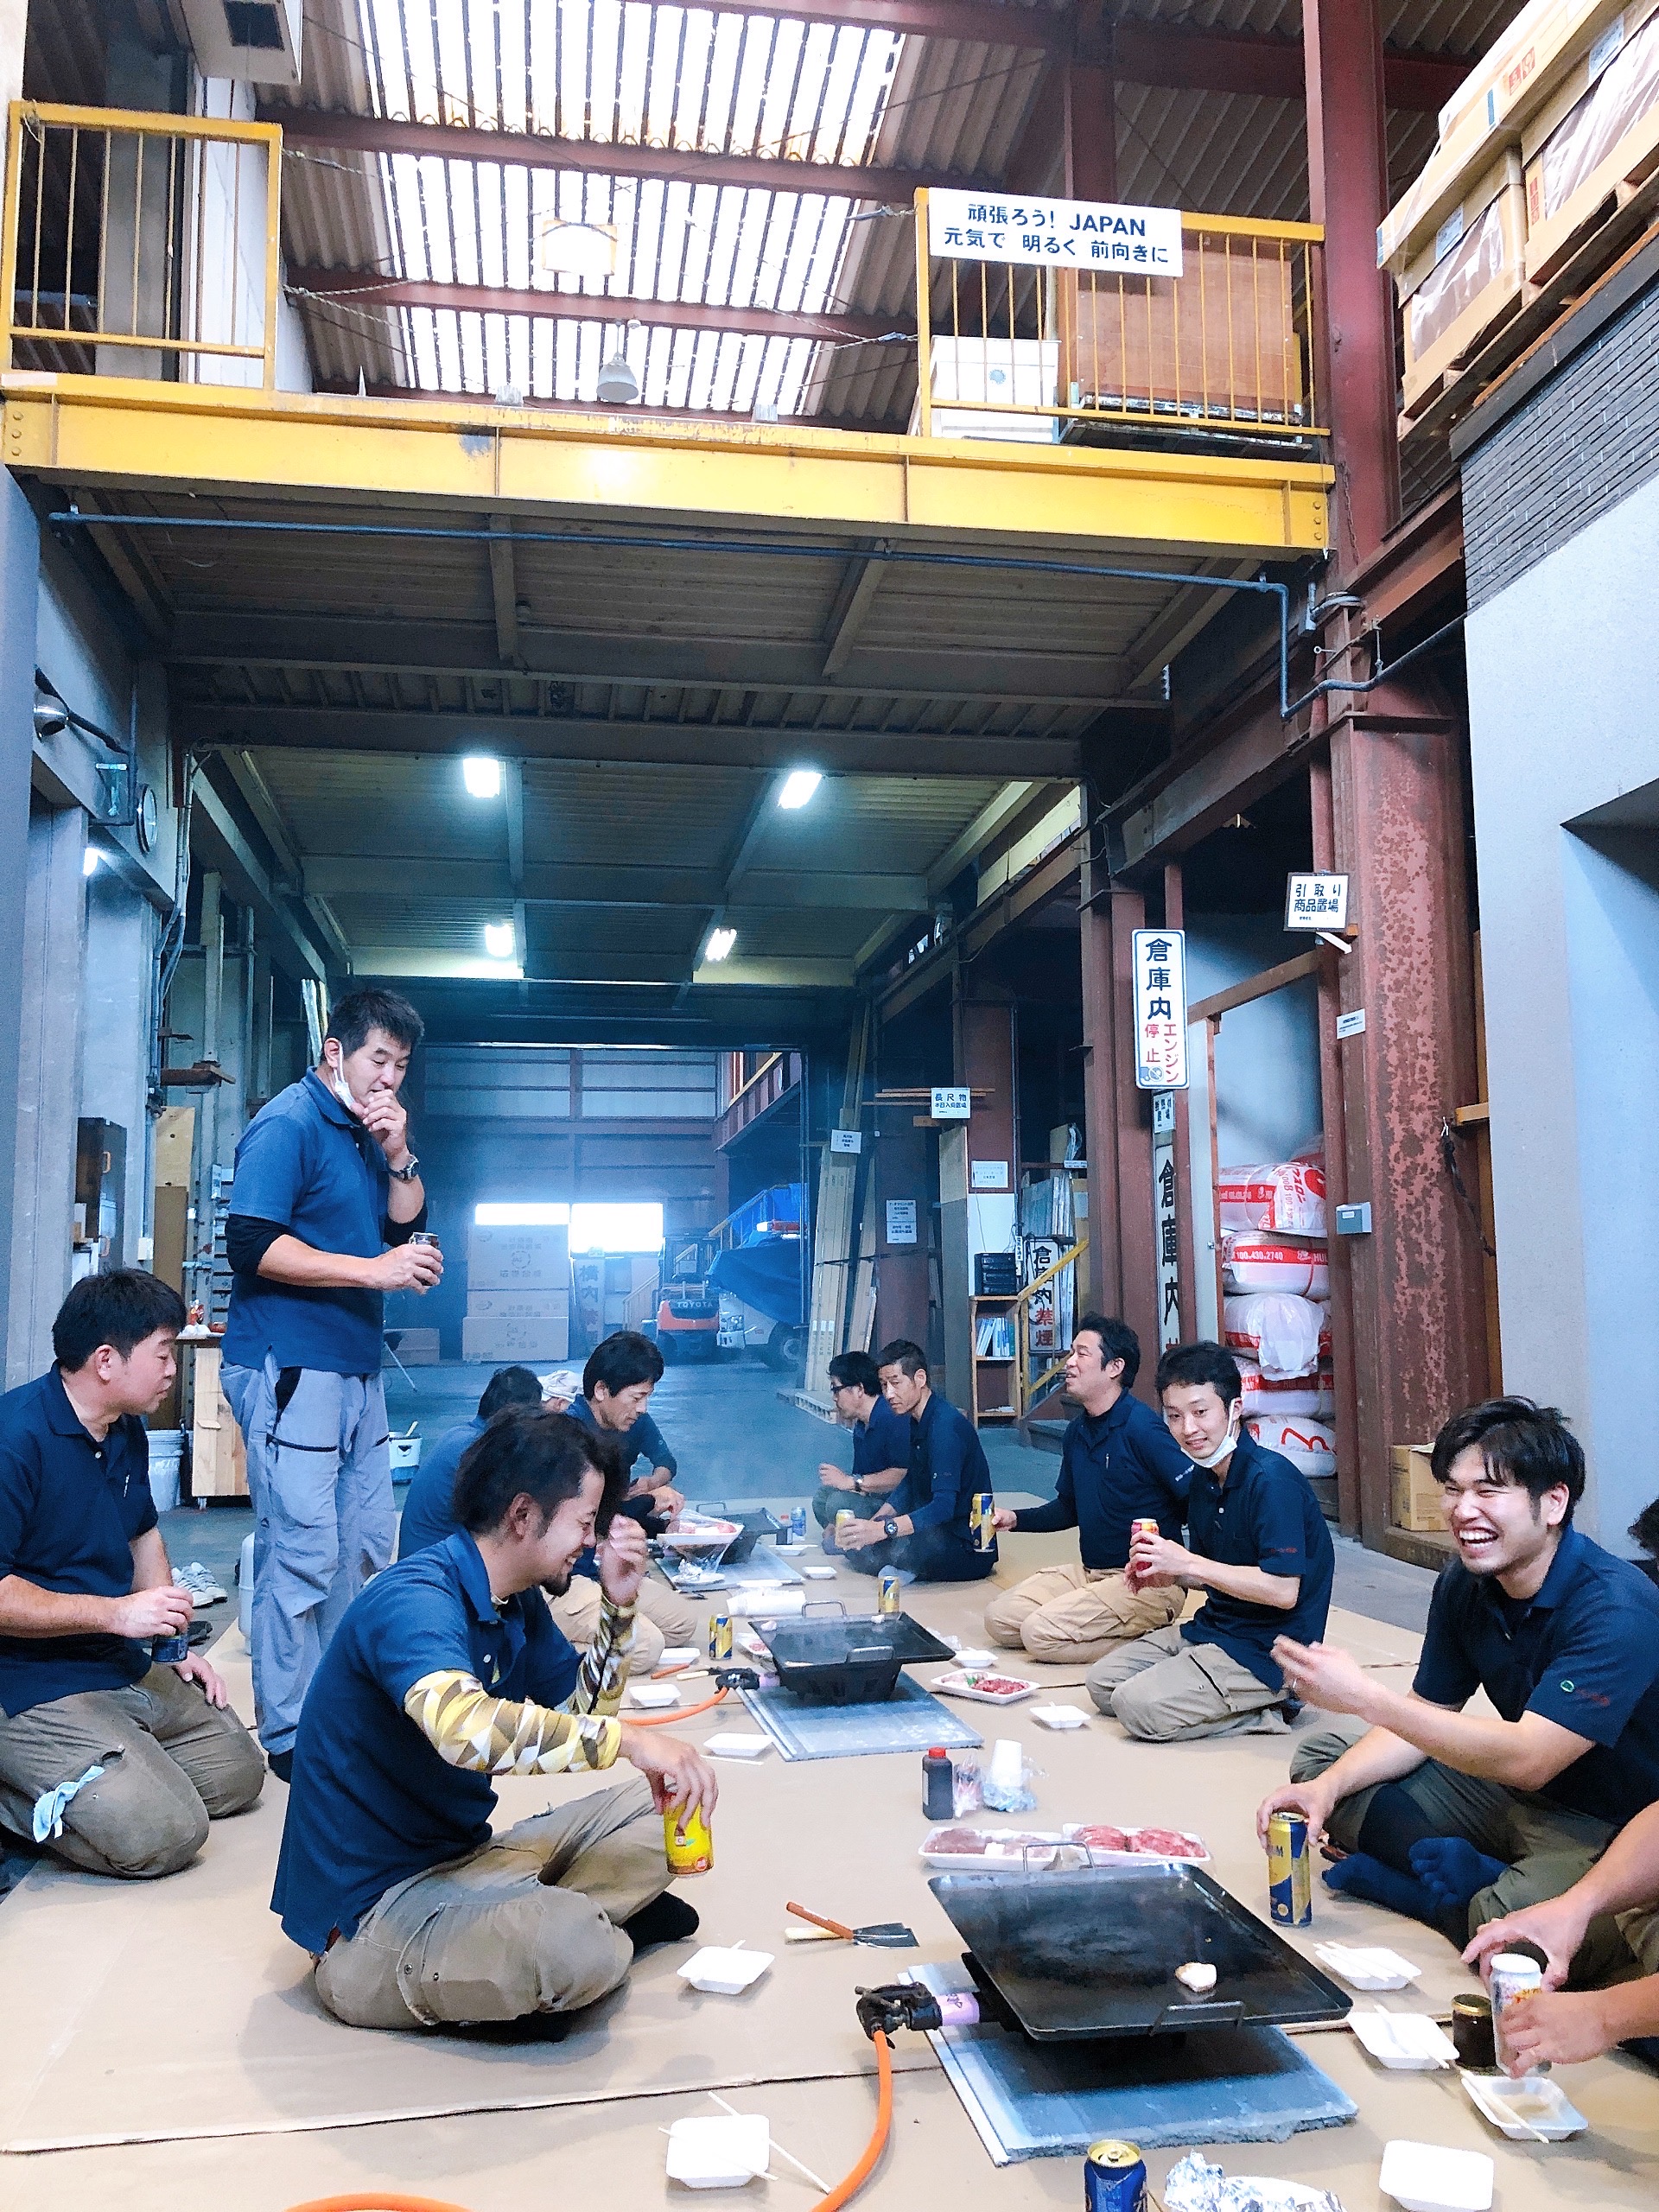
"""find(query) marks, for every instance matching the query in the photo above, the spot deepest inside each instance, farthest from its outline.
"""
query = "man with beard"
(447, 1669)
(1457, 1816)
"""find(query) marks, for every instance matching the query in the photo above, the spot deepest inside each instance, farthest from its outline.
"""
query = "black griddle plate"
(1093, 1952)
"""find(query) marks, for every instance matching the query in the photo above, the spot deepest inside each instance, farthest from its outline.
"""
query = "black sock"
(666, 1919)
(280, 1764)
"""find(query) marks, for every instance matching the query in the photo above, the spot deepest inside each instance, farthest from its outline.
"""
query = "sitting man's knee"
(1143, 1711)
(144, 1832)
(1312, 1756)
(1005, 1619)
(238, 1781)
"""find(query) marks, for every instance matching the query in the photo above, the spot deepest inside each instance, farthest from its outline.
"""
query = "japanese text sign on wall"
(901, 1220)
(1166, 1225)
(1313, 901)
(1159, 958)
(952, 1102)
(1066, 233)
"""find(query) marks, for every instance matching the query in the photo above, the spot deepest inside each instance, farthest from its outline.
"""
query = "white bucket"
(245, 1589)
(166, 1445)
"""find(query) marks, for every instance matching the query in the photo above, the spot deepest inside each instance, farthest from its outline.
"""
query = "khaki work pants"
(1546, 1849)
(171, 1763)
(531, 1923)
(1079, 1613)
(661, 1616)
(1166, 1690)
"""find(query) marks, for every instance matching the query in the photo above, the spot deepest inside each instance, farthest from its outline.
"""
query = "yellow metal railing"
(141, 245)
(1231, 344)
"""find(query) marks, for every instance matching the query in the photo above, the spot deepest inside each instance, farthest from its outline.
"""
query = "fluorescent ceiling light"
(576, 249)
(499, 940)
(799, 786)
(719, 943)
(90, 859)
(481, 775)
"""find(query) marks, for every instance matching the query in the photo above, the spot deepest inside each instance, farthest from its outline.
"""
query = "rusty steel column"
(1348, 193)
(1186, 1242)
(1091, 108)
(1415, 1298)
(1118, 1121)
(1334, 1115)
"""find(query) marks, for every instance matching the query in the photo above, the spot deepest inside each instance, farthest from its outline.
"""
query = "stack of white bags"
(1276, 1316)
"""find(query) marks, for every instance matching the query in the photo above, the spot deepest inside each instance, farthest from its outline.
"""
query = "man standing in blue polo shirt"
(115, 1762)
(1457, 1816)
(925, 1528)
(1257, 1547)
(325, 1182)
(1119, 1464)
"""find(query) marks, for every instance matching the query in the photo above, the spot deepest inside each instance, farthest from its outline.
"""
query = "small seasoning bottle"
(938, 1784)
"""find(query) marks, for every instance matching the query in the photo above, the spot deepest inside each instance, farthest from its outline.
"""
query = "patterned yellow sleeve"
(492, 1735)
(604, 1671)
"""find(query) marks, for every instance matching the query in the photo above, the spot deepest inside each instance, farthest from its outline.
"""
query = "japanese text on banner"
(1060, 233)
(1160, 960)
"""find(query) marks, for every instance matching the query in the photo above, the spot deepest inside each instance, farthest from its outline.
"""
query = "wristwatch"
(407, 1172)
(890, 1527)
(858, 1484)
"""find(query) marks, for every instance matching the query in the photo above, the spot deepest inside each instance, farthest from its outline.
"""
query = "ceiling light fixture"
(618, 386)
(719, 943)
(799, 786)
(499, 940)
(482, 775)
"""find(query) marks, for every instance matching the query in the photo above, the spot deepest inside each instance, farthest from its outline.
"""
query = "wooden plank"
(1254, 986)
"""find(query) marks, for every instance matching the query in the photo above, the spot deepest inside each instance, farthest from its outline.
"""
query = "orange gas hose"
(377, 2200)
(680, 1712)
(844, 2192)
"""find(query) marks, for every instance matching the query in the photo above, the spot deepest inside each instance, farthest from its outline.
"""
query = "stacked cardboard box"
(517, 1295)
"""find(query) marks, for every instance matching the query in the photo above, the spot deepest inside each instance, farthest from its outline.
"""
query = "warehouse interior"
(519, 505)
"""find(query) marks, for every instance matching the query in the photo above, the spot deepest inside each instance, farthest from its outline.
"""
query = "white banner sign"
(901, 1220)
(1073, 233)
(1315, 902)
(1159, 958)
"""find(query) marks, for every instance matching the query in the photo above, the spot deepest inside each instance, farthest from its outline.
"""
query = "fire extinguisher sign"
(1159, 958)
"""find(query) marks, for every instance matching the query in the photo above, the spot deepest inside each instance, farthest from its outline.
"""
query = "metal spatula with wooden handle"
(883, 1935)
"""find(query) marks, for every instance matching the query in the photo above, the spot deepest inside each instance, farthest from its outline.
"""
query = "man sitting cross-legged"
(447, 1669)
(1456, 1816)
(117, 1764)
(880, 1443)
(925, 1527)
(1119, 1464)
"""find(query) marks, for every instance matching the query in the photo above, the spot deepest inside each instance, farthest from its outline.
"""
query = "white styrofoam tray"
(719, 2153)
(1427, 2177)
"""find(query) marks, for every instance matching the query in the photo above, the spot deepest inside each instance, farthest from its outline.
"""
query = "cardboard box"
(518, 1305)
(417, 1347)
(1594, 140)
(503, 1342)
(518, 1259)
(1467, 281)
(1414, 1494)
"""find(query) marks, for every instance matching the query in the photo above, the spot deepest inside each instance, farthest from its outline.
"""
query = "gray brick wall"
(1583, 442)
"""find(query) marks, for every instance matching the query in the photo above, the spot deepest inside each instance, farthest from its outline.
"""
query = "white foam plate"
(656, 1695)
(1409, 2043)
(724, 1973)
(1060, 1716)
(1526, 2109)
(679, 1655)
(965, 1681)
(968, 1656)
(766, 1600)
(1367, 1969)
(719, 2153)
(819, 1573)
(1425, 2178)
(736, 1743)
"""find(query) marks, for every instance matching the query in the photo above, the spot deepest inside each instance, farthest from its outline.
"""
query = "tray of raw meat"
(988, 1851)
(1105, 1843)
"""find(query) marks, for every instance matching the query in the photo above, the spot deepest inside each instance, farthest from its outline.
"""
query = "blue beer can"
(798, 1525)
(1290, 1872)
(1113, 2179)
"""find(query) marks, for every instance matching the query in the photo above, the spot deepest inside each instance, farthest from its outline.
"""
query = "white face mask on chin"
(1229, 1443)
(342, 1089)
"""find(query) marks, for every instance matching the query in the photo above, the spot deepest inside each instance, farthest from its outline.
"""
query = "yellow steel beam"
(167, 439)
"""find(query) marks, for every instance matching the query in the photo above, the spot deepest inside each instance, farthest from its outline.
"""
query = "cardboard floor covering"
(151, 2030)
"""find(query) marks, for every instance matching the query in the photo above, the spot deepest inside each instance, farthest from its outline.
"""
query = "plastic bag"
(1252, 1259)
(1309, 1445)
(1286, 1194)
(1284, 1334)
(1287, 1395)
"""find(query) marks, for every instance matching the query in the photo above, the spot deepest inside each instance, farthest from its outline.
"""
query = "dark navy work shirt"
(305, 1162)
(1264, 1515)
(372, 1801)
(1584, 1653)
(646, 1440)
(881, 1441)
(70, 1509)
(946, 1470)
(428, 1510)
(1115, 1467)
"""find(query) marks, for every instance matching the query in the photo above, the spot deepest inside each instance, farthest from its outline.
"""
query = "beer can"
(1146, 1526)
(719, 1635)
(1513, 1978)
(889, 1591)
(844, 1519)
(168, 1650)
(979, 1520)
(798, 1525)
(1113, 2179)
(686, 1839)
(1290, 1873)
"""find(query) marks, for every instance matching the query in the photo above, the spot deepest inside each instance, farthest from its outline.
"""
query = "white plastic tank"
(166, 1447)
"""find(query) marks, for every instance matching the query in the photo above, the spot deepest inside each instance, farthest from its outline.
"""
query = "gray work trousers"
(320, 1475)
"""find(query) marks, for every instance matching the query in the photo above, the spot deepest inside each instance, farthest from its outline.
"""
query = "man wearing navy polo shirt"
(1457, 1816)
(1118, 1465)
(428, 1514)
(924, 1528)
(880, 1441)
(447, 1669)
(1257, 1547)
(325, 1182)
(117, 1764)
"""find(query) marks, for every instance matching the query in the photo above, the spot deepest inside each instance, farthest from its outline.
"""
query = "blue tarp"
(766, 1275)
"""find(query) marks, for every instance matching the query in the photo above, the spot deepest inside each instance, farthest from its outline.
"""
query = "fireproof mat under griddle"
(912, 1719)
(1045, 2100)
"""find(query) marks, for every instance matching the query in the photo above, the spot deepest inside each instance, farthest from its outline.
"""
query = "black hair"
(360, 1011)
(527, 1451)
(119, 1309)
(1645, 1529)
(509, 1386)
(1191, 1365)
(620, 1361)
(1519, 1441)
(857, 1371)
(1117, 1341)
(903, 1355)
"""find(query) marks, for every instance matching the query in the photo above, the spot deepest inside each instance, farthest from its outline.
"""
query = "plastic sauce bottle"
(938, 1784)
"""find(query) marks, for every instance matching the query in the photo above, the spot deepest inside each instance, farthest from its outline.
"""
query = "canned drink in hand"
(980, 1522)
(1290, 1871)
(686, 1839)
(168, 1650)
(423, 1236)
(1514, 1980)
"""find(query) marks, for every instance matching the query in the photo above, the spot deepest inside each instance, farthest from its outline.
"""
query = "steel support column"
(1123, 1272)
(1091, 108)
(1348, 192)
(986, 1057)
(1410, 1292)
(1186, 1260)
